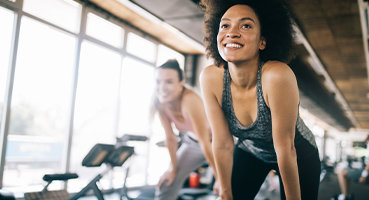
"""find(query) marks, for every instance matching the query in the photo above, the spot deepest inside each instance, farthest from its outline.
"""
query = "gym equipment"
(188, 192)
(108, 154)
(51, 194)
(99, 154)
(123, 141)
(6, 195)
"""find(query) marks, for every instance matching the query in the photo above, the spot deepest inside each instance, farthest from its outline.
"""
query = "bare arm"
(364, 174)
(367, 166)
(194, 108)
(223, 143)
(283, 98)
(172, 145)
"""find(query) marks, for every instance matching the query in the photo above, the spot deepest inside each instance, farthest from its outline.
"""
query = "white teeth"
(233, 45)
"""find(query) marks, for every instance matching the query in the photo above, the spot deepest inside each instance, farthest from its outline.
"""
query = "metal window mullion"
(69, 138)
(4, 128)
(123, 56)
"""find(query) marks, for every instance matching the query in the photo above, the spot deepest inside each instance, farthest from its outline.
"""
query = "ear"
(182, 82)
(262, 43)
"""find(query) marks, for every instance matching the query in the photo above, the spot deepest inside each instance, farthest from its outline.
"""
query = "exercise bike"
(108, 154)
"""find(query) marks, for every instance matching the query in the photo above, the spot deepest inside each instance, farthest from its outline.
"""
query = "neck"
(244, 74)
(176, 103)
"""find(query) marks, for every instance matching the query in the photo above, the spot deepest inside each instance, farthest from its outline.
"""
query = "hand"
(216, 188)
(168, 176)
(362, 179)
(225, 196)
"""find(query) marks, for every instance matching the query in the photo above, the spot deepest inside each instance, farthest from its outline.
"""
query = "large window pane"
(140, 47)
(104, 30)
(64, 13)
(96, 108)
(165, 53)
(157, 153)
(40, 104)
(136, 91)
(6, 24)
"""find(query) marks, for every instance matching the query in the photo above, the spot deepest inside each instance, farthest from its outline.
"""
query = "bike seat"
(59, 177)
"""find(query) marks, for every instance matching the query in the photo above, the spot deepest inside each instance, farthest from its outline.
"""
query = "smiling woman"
(236, 32)
(178, 105)
(250, 93)
(274, 21)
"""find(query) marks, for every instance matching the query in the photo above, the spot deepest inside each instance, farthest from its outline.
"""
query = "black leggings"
(249, 172)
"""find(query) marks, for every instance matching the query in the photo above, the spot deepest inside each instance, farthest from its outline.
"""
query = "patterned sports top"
(257, 138)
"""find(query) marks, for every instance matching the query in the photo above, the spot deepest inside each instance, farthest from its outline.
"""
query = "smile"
(233, 45)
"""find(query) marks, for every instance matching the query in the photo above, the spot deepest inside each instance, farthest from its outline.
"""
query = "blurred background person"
(346, 174)
(179, 105)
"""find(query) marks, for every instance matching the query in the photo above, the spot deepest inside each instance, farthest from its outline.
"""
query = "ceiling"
(334, 30)
(330, 65)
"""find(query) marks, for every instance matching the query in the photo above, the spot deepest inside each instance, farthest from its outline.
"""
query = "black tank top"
(257, 138)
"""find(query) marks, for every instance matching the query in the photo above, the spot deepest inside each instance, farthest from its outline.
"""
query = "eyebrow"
(242, 19)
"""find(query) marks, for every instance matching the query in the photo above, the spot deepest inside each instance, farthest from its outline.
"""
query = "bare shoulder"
(211, 73)
(211, 80)
(278, 80)
(276, 71)
(190, 95)
(191, 102)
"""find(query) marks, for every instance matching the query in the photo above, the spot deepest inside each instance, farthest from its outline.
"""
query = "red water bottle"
(194, 180)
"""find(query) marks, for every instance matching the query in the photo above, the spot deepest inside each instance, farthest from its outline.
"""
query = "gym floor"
(327, 189)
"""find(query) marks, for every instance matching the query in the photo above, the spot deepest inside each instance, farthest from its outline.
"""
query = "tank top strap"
(227, 76)
(258, 81)
(226, 94)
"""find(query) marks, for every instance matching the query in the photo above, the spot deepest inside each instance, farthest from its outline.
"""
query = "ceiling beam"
(320, 70)
(148, 23)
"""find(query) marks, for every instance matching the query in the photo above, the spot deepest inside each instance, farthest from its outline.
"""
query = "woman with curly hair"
(251, 93)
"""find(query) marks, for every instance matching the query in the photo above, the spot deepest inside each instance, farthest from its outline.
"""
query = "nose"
(232, 33)
(161, 87)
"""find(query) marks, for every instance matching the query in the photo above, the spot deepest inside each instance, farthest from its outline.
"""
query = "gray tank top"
(257, 138)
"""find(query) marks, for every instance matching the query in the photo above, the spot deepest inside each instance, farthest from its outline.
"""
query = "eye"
(223, 26)
(246, 26)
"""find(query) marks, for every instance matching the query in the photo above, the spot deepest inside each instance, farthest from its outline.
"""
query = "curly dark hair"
(275, 20)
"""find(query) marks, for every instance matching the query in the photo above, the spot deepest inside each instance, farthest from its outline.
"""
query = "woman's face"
(239, 37)
(168, 85)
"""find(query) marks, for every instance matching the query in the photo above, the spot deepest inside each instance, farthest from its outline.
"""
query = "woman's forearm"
(287, 162)
(172, 146)
(208, 153)
(210, 158)
(224, 160)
